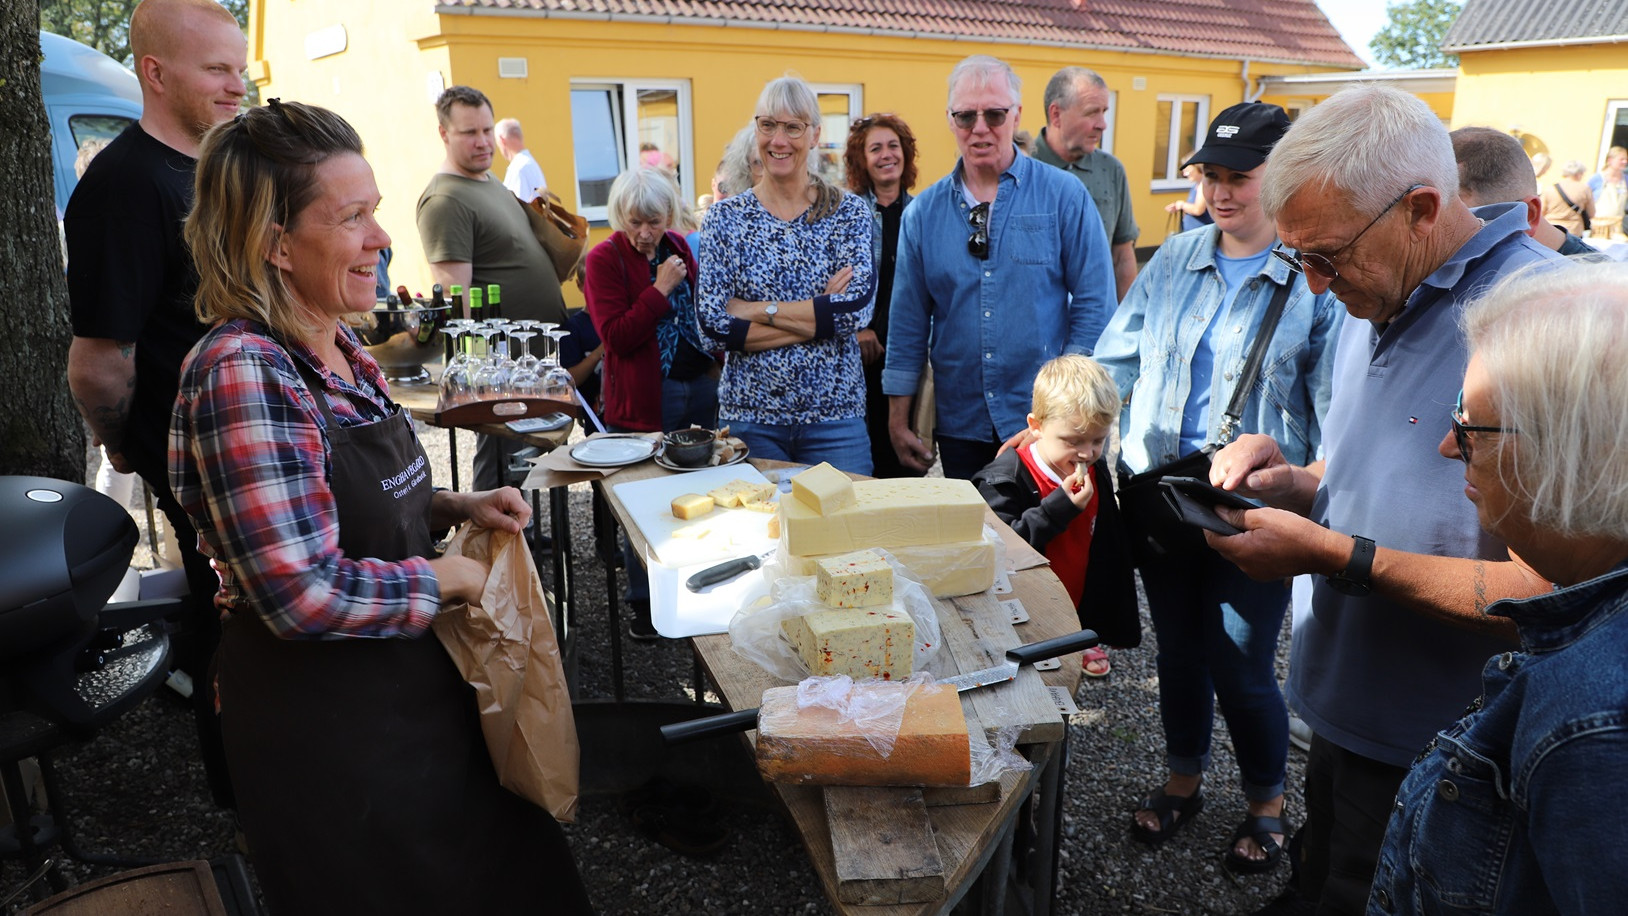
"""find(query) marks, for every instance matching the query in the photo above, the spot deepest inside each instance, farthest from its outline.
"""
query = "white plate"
(661, 459)
(613, 451)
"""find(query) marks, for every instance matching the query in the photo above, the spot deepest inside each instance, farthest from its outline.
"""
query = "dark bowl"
(688, 448)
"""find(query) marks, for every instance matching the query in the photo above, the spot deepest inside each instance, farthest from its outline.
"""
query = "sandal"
(1174, 811)
(1259, 829)
(1095, 662)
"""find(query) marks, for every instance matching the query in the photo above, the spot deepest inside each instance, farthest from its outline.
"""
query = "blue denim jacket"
(1520, 806)
(1149, 345)
(1047, 288)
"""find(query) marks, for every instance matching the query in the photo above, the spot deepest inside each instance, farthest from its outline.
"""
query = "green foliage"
(1412, 38)
(105, 24)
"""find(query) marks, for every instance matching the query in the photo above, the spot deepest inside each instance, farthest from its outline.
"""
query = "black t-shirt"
(131, 278)
(891, 214)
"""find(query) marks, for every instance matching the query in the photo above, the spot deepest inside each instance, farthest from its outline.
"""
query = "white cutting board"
(721, 534)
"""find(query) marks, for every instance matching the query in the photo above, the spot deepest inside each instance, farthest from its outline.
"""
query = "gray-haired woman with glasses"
(786, 283)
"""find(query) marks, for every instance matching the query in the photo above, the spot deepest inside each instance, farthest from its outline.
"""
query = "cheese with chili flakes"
(858, 642)
(859, 579)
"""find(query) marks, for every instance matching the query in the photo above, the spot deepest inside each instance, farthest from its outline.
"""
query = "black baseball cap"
(1240, 137)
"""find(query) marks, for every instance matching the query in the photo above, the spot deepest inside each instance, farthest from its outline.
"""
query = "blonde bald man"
(524, 176)
(130, 280)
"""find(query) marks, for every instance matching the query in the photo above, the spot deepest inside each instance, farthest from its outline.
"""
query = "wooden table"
(974, 840)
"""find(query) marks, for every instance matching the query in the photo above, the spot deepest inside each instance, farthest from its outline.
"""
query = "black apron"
(363, 782)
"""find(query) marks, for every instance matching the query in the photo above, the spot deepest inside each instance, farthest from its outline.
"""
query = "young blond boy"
(1057, 493)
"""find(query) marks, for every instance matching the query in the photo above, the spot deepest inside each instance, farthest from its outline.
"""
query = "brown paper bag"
(507, 651)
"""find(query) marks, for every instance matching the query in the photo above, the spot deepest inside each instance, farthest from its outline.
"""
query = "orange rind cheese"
(814, 746)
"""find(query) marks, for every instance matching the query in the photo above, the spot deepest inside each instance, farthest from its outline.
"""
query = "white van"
(88, 96)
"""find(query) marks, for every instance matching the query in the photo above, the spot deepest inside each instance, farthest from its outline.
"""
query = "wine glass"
(527, 329)
(557, 382)
(457, 383)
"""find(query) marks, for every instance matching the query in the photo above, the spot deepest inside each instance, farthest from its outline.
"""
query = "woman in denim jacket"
(1176, 346)
(1518, 808)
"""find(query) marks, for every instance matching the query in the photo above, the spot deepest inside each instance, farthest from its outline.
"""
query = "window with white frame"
(619, 123)
(1616, 129)
(840, 105)
(1180, 123)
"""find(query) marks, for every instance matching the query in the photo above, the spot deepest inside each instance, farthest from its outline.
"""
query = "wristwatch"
(771, 310)
(1354, 579)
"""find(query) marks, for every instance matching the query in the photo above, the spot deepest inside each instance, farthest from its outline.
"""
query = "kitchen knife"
(723, 572)
(746, 719)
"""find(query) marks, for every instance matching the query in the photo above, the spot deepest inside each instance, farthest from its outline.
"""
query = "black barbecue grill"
(69, 662)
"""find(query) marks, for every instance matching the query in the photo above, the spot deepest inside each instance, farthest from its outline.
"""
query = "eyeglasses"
(793, 129)
(994, 117)
(978, 242)
(1462, 429)
(865, 122)
(1315, 265)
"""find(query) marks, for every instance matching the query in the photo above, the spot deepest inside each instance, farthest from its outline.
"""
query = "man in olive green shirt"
(476, 233)
(1076, 115)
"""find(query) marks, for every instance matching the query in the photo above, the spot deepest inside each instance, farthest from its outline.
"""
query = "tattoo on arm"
(1480, 579)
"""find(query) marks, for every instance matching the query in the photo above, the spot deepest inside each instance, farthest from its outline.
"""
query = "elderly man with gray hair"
(1364, 189)
(1002, 265)
(524, 176)
(1076, 102)
(1568, 203)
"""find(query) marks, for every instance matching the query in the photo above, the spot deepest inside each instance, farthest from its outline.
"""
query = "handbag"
(563, 234)
(1156, 531)
(1587, 223)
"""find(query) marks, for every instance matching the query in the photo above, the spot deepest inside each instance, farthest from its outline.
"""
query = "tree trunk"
(40, 431)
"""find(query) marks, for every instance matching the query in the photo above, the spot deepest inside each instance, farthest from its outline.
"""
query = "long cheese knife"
(746, 719)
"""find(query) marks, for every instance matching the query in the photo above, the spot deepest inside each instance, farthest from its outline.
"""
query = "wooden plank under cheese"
(888, 513)
(814, 746)
(882, 845)
(823, 488)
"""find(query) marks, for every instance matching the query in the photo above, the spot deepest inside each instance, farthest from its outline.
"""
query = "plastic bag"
(755, 632)
(947, 570)
(996, 755)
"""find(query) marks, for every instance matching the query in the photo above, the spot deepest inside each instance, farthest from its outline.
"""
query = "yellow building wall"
(1555, 98)
(1440, 102)
(385, 81)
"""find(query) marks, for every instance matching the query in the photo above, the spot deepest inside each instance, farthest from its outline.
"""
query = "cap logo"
(1226, 131)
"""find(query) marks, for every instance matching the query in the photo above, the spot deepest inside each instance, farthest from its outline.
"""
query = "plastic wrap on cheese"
(866, 733)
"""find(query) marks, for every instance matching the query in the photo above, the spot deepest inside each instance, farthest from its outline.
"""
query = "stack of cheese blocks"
(933, 526)
(864, 634)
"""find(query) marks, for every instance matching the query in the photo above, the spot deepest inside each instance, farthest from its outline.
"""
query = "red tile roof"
(1293, 31)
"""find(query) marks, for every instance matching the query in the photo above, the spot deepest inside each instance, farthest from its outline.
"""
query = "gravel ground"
(138, 789)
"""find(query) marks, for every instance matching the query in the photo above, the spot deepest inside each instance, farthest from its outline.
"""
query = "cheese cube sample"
(947, 570)
(741, 492)
(859, 579)
(691, 505)
(823, 488)
(814, 746)
(858, 642)
(888, 513)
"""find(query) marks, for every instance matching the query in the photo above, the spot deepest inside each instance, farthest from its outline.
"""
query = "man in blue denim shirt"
(1002, 265)
(1364, 189)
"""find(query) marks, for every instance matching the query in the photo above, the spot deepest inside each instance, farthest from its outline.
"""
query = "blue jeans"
(1218, 636)
(844, 443)
(963, 458)
(689, 402)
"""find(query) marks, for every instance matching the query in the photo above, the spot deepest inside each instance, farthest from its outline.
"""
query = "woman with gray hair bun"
(786, 283)
(1569, 203)
(1514, 809)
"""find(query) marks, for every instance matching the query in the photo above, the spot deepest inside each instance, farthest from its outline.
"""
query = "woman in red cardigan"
(641, 297)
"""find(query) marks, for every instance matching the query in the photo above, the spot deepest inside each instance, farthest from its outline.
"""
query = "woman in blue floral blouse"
(786, 283)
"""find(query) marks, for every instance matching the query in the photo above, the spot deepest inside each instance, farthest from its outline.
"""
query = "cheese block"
(859, 579)
(691, 505)
(858, 642)
(888, 513)
(947, 570)
(823, 488)
(742, 492)
(814, 746)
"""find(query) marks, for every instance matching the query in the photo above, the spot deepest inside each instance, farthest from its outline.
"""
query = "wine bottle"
(405, 297)
(494, 299)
